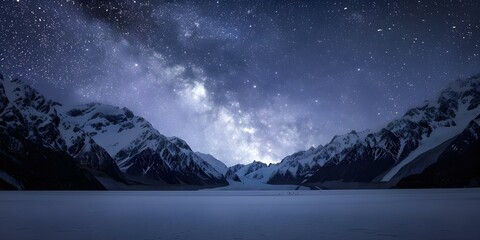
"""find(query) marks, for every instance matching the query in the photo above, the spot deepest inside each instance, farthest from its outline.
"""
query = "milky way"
(243, 80)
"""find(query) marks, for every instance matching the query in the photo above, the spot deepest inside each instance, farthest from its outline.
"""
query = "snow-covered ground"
(249, 184)
(287, 214)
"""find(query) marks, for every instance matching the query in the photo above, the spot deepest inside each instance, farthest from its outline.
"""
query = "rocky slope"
(408, 145)
(31, 153)
(248, 172)
(138, 149)
(434, 145)
(458, 165)
(106, 140)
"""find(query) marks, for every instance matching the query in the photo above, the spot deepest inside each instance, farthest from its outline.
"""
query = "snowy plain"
(279, 214)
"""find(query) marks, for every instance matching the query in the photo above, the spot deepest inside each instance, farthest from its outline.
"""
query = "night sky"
(243, 80)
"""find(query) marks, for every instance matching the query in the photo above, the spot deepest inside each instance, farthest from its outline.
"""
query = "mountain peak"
(179, 142)
(102, 136)
(366, 155)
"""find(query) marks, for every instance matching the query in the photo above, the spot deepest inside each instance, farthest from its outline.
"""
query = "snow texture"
(279, 215)
(248, 184)
(215, 163)
(438, 136)
(99, 134)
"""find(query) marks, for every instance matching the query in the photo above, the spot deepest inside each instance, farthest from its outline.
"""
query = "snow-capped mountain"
(45, 145)
(32, 152)
(385, 156)
(27, 165)
(31, 116)
(138, 149)
(255, 171)
(457, 165)
(103, 138)
(218, 165)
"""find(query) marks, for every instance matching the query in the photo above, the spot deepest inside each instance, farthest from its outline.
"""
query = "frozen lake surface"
(211, 215)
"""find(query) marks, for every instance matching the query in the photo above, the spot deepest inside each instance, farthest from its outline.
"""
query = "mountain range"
(104, 144)
(47, 145)
(434, 145)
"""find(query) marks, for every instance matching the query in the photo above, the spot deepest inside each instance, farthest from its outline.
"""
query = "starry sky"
(243, 80)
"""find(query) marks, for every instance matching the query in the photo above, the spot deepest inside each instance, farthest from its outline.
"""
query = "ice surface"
(343, 214)
(249, 184)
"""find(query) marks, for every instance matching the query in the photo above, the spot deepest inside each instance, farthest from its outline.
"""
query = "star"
(206, 71)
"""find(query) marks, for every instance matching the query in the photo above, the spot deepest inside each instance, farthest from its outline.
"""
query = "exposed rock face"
(457, 166)
(435, 145)
(27, 165)
(248, 172)
(102, 138)
(380, 156)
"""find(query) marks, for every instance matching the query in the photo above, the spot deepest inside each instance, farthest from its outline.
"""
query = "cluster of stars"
(293, 71)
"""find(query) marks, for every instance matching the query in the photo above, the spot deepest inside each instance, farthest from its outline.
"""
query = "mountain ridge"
(103, 138)
(102, 141)
(377, 156)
